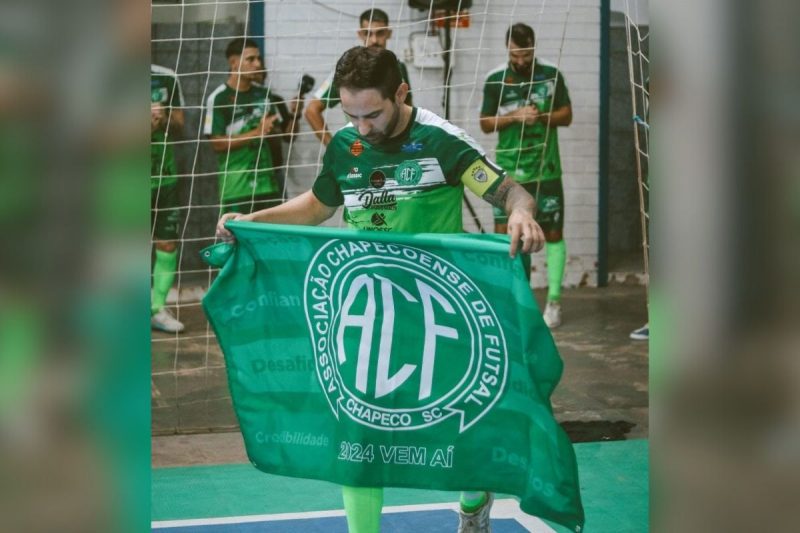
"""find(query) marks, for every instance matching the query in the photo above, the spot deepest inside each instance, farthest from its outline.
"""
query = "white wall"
(305, 36)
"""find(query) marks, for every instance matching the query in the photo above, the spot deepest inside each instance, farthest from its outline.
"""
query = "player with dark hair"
(374, 31)
(525, 100)
(399, 168)
(166, 124)
(240, 116)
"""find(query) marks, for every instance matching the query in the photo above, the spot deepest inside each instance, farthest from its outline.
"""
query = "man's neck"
(239, 83)
(402, 124)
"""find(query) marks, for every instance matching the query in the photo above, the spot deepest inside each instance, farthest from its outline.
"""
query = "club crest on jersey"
(408, 173)
(403, 339)
(357, 148)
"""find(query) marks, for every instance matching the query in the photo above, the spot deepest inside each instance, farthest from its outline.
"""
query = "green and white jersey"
(527, 153)
(248, 170)
(412, 183)
(328, 93)
(165, 89)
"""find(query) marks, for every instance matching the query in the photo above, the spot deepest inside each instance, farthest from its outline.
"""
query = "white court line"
(508, 508)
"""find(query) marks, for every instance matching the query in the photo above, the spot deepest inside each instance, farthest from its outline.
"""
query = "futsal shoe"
(641, 334)
(552, 314)
(164, 321)
(477, 522)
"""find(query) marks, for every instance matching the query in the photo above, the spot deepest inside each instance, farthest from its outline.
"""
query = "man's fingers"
(514, 232)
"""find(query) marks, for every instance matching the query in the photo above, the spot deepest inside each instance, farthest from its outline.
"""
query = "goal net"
(189, 40)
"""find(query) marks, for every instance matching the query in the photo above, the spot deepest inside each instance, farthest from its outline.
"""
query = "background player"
(525, 101)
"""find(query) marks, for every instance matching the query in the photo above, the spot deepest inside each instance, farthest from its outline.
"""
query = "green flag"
(392, 360)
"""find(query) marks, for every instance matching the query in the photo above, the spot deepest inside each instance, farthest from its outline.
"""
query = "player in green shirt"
(240, 116)
(373, 31)
(399, 168)
(525, 101)
(166, 123)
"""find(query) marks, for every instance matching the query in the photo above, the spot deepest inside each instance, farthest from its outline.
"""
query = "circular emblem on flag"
(408, 173)
(356, 148)
(403, 339)
(377, 179)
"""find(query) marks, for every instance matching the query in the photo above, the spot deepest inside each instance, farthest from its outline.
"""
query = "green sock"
(472, 501)
(363, 506)
(163, 275)
(556, 259)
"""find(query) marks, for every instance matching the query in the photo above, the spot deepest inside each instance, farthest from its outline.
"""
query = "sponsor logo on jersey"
(354, 174)
(159, 95)
(408, 173)
(357, 148)
(404, 346)
(383, 200)
(379, 219)
(377, 179)
(411, 147)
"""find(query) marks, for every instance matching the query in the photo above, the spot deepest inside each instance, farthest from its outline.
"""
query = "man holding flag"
(401, 169)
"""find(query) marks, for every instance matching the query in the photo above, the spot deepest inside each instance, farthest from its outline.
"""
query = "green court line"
(614, 485)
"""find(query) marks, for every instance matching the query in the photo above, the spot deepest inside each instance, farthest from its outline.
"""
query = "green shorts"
(250, 204)
(549, 196)
(165, 216)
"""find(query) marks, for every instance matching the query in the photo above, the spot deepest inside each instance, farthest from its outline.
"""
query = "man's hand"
(222, 232)
(527, 115)
(158, 117)
(523, 228)
(267, 124)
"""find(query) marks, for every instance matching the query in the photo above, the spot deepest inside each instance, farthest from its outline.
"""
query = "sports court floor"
(203, 483)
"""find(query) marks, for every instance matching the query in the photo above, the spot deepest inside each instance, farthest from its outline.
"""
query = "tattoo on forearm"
(499, 196)
(509, 196)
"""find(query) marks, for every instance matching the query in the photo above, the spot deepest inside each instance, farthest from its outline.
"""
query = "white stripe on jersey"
(427, 118)
(164, 71)
(209, 118)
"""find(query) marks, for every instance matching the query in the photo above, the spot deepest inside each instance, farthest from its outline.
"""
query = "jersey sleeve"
(561, 97)
(491, 98)
(482, 176)
(325, 187)
(214, 122)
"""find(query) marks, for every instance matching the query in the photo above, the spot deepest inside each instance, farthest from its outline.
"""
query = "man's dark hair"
(364, 67)
(236, 47)
(374, 15)
(521, 34)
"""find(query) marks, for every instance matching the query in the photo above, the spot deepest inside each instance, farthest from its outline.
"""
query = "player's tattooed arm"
(526, 235)
(509, 195)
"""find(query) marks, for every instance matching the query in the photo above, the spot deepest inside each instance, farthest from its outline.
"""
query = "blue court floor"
(237, 498)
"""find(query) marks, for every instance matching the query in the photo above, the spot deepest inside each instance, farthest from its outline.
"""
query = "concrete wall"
(305, 36)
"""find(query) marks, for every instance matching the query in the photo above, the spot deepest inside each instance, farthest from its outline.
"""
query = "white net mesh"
(306, 36)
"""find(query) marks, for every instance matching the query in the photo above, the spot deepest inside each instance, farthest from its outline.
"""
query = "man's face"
(374, 33)
(248, 65)
(521, 58)
(374, 117)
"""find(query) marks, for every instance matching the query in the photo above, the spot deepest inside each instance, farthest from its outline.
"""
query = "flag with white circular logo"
(396, 360)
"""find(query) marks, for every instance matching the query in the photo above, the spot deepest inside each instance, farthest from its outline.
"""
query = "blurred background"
(75, 342)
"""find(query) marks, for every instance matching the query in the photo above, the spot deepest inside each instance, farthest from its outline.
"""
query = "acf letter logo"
(403, 339)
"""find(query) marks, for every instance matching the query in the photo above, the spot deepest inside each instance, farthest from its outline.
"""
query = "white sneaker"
(552, 314)
(477, 522)
(641, 334)
(164, 321)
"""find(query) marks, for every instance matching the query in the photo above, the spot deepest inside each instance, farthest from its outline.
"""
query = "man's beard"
(525, 71)
(382, 136)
